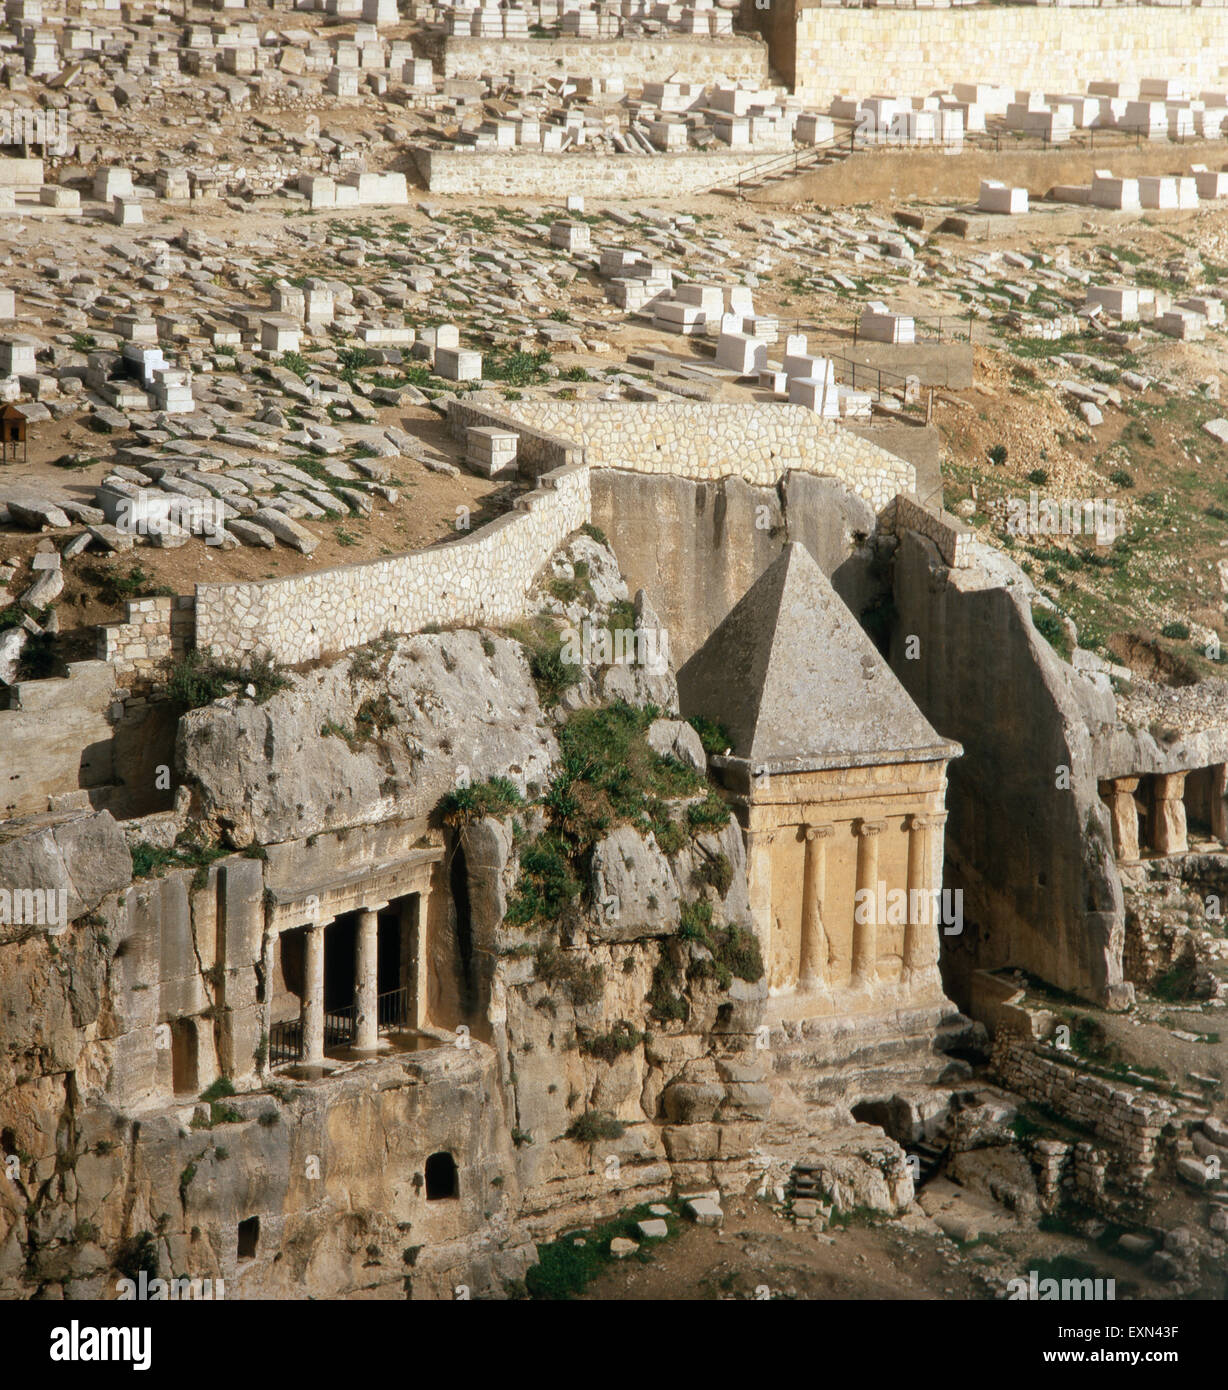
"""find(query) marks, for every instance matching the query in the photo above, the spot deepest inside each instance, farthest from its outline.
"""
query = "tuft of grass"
(494, 797)
(199, 680)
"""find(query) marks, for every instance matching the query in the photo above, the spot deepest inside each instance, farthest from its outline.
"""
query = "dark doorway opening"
(440, 1177)
(389, 961)
(458, 882)
(340, 939)
(185, 1067)
(249, 1237)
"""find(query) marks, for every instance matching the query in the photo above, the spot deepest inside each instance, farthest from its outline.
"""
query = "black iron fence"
(340, 1026)
(392, 1010)
(286, 1042)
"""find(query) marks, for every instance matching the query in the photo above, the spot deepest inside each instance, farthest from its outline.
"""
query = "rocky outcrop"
(380, 736)
(1028, 837)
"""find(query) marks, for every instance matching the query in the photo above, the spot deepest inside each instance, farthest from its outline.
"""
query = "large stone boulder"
(373, 737)
(634, 890)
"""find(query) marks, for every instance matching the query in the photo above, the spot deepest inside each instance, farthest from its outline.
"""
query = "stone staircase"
(779, 168)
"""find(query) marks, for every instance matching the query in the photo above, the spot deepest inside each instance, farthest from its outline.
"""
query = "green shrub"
(1053, 630)
(546, 886)
(714, 737)
(594, 1125)
(609, 1047)
(495, 797)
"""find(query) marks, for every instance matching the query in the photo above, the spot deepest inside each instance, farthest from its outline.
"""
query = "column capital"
(869, 827)
(373, 907)
(819, 832)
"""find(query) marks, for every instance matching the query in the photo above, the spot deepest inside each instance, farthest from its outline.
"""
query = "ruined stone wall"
(697, 58)
(536, 453)
(834, 51)
(155, 633)
(479, 579)
(706, 442)
(517, 174)
(1129, 1121)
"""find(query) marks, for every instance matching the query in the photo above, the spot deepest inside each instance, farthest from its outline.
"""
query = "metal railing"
(340, 1026)
(392, 1010)
(286, 1042)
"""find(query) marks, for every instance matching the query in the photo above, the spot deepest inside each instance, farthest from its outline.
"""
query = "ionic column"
(921, 929)
(1168, 832)
(313, 995)
(865, 904)
(812, 971)
(1118, 795)
(1219, 801)
(366, 981)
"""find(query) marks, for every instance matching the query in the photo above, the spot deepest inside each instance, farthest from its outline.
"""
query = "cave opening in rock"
(249, 1237)
(440, 1177)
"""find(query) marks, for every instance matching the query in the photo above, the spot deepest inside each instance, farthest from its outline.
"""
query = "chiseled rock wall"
(1028, 838)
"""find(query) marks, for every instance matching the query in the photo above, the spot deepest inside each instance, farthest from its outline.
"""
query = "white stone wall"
(478, 579)
(708, 441)
(517, 174)
(636, 61)
(1021, 46)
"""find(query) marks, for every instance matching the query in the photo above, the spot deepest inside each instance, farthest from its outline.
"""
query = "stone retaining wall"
(1128, 1121)
(480, 579)
(156, 633)
(538, 453)
(707, 442)
(525, 174)
(693, 58)
(948, 533)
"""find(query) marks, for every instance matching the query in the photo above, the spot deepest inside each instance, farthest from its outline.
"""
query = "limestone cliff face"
(626, 1049)
(1028, 839)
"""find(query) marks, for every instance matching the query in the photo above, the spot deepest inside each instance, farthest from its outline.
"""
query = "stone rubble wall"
(516, 174)
(636, 61)
(1127, 1120)
(304, 617)
(1051, 49)
(480, 579)
(707, 442)
(156, 633)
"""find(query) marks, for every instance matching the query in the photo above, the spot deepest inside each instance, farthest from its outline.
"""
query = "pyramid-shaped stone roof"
(797, 683)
